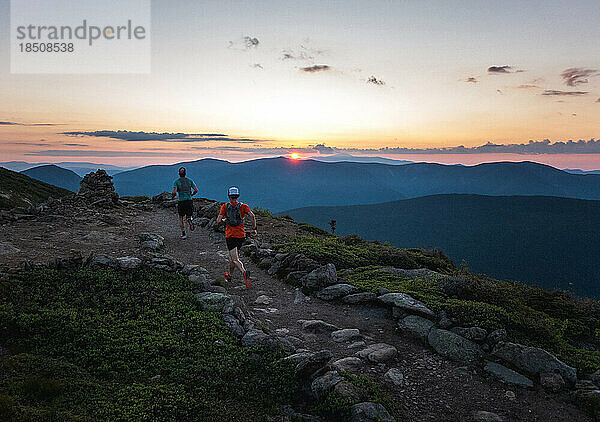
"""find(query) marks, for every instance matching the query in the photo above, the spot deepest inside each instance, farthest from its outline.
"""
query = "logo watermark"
(86, 36)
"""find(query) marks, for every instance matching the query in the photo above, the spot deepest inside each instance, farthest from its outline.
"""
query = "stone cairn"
(98, 188)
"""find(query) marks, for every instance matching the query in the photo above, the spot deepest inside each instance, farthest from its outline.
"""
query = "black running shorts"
(185, 208)
(234, 242)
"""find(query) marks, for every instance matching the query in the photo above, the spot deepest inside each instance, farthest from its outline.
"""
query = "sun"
(295, 156)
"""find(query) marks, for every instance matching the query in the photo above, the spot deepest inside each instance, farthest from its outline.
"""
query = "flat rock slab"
(263, 300)
(453, 346)
(378, 353)
(394, 377)
(336, 291)
(325, 383)
(345, 335)
(128, 262)
(364, 297)
(349, 364)
(370, 412)
(416, 327)
(507, 375)
(406, 303)
(215, 302)
(533, 360)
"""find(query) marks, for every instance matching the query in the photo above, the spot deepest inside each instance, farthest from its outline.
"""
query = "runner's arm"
(221, 217)
(253, 218)
(174, 192)
(195, 190)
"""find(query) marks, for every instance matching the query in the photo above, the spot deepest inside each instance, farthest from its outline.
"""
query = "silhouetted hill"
(548, 241)
(55, 175)
(280, 183)
(19, 190)
(81, 168)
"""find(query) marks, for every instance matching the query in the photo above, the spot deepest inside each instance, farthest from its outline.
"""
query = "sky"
(240, 80)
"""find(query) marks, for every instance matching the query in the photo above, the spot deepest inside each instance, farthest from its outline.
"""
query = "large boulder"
(416, 327)
(533, 360)
(369, 412)
(476, 334)
(313, 363)
(406, 303)
(317, 326)
(378, 353)
(254, 337)
(364, 297)
(151, 241)
(336, 291)
(128, 262)
(320, 277)
(345, 335)
(325, 383)
(596, 378)
(215, 302)
(453, 346)
(350, 364)
(507, 375)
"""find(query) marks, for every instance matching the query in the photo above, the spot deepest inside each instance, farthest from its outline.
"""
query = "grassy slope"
(90, 342)
(21, 189)
(554, 320)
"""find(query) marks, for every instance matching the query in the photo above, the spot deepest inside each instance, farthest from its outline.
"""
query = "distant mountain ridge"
(280, 183)
(20, 191)
(81, 168)
(549, 241)
(55, 175)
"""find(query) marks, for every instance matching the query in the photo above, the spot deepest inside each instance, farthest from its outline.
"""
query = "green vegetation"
(97, 344)
(553, 320)
(337, 408)
(20, 191)
(352, 251)
(262, 212)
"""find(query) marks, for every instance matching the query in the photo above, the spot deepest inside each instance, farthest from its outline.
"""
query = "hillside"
(546, 241)
(280, 183)
(19, 190)
(114, 316)
(55, 175)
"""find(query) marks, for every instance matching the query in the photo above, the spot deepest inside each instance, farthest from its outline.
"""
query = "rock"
(349, 364)
(234, 325)
(378, 353)
(128, 262)
(483, 416)
(320, 277)
(295, 277)
(290, 343)
(325, 383)
(151, 241)
(336, 291)
(416, 327)
(248, 249)
(475, 334)
(103, 260)
(164, 196)
(552, 381)
(394, 376)
(292, 416)
(420, 273)
(263, 300)
(453, 346)
(215, 302)
(533, 360)
(507, 376)
(308, 366)
(201, 221)
(496, 336)
(298, 357)
(444, 322)
(7, 248)
(356, 344)
(299, 297)
(254, 337)
(363, 297)
(265, 264)
(596, 378)
(406, 303)
(190, 269)
(345, 335)
(369, 412)
(348, 391)
(317, 326)
(98, 188)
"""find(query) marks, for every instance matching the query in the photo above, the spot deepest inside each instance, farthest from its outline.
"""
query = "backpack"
(184, 185)
(234, 214)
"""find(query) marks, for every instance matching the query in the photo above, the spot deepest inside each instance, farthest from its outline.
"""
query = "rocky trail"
(426, 385)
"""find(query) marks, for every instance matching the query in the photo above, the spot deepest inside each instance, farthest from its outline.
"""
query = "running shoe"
(183, 236)
(192, 226)
(247, 279)
(227, 276)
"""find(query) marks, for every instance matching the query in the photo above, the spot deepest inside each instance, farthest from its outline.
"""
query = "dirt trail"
(435, 389)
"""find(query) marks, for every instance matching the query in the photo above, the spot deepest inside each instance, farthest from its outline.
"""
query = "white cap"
(233, 191)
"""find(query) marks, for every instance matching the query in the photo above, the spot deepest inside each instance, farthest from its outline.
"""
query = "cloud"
(373, 80)
(98, 153)
(125, 135)
(316, 68)
(244, 43)
(500, 69)
(577, 75)
(36, 144)
(322, 149)
(76, 145)
(303, 53)
(563, 93)
(471, 80)
(257, 66)
(27, 124)
(526, 86)
(598, 100)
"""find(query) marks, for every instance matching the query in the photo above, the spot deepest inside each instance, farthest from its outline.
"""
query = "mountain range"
(55, 175)
(549, 241)
(281, 183)
(81, 168)
(20, 191)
